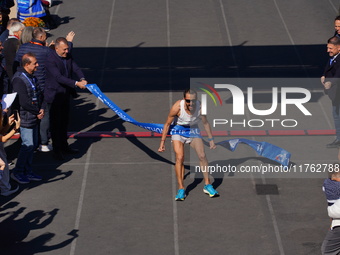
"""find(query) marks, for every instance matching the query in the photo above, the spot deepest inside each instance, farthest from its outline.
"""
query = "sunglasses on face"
(189, 101)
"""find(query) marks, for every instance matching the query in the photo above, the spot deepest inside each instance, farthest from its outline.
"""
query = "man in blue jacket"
(59, 86)
(31, 109)
(38, 47)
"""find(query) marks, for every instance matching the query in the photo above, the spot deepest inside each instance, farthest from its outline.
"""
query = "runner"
(186, 112)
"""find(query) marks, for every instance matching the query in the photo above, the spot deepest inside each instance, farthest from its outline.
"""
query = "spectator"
(5, 186)
(331, 187)
(37, 46)
(5, 7)
(27, 35)
(58, 89)
(11, 46)
(50, 23)
(337, 26)
(5, 34)
(29, 8)
(30, 99)
(331, 81)
(2, 23)
(4, 79)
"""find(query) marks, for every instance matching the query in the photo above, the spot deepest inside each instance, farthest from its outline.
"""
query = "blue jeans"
(29, 137)
(45, 126)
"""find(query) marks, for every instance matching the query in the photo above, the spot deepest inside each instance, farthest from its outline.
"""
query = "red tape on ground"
(109, 134)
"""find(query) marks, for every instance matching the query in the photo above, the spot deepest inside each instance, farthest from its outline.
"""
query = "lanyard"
(33, 87)
(36, 43)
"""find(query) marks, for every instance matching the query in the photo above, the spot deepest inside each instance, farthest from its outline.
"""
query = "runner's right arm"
(172, 114)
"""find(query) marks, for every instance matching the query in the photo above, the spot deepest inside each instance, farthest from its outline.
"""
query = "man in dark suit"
(331, 82)
(59, 87)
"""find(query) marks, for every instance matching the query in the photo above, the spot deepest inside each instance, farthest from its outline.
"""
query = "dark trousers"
(59, 118)
(331, 243)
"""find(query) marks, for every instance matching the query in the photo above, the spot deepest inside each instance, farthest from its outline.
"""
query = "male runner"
(187, 112)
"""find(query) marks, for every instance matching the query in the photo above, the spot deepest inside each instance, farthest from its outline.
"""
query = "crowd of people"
(330, 81)
(41, 75)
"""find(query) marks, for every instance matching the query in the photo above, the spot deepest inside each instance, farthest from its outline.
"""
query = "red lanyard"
(37, 43)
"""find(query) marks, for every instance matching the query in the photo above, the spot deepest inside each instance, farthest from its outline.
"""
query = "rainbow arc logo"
(209, 90)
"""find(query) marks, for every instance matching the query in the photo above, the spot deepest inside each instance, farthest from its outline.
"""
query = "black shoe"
(334, 144)
(58, 155)
(70, 151)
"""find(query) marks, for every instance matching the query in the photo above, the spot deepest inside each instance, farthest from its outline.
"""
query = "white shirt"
(185, 119)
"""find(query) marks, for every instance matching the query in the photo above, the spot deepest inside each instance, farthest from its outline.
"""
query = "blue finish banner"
(158, 128)
(263, 149)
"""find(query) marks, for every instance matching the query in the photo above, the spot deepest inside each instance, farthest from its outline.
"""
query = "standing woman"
(27, 35)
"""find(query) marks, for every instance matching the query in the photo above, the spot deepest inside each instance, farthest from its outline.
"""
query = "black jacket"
(29, 98)
(41, 52)
(59, 82)
(332, 74)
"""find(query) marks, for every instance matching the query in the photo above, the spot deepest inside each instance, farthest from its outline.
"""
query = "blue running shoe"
(33, 177)
(180, 195)
(209, 189)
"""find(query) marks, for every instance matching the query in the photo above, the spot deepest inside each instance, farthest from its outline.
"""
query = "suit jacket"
(59, 84)
(332, 74)
(12, 46)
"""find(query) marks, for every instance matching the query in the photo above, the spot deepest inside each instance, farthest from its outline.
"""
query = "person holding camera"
(6, 188)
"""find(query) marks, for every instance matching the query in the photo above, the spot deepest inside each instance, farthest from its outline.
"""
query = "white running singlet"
(185, 119)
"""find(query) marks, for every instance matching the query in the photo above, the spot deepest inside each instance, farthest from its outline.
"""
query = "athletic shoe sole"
(179, 199)
(207, 192)
(45, 148)
(36, 179)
